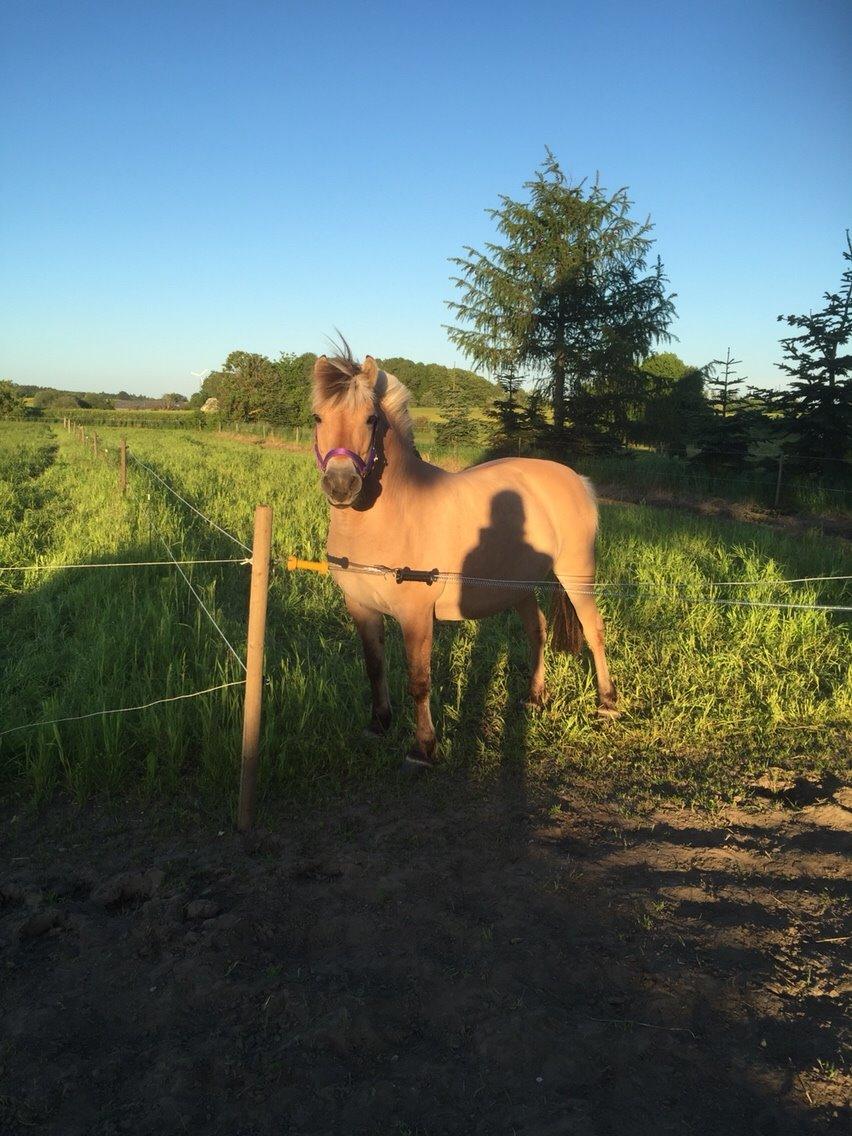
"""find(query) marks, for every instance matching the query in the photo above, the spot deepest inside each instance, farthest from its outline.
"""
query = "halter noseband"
(363, 465)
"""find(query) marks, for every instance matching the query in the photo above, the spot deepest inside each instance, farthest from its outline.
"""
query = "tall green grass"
(711, 693)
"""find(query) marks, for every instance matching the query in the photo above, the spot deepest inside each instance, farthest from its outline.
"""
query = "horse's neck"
(401, 478)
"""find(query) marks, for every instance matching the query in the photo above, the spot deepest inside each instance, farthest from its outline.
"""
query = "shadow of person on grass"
(491, 725)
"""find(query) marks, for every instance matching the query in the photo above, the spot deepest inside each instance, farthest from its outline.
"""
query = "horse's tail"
(566, 634)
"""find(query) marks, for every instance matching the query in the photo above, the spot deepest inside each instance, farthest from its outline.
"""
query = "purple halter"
(361, 464)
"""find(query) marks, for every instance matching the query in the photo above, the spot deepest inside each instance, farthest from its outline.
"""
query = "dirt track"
(439, 961)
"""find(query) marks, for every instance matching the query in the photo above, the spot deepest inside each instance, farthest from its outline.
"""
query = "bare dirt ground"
(834, 524)
(439, 960)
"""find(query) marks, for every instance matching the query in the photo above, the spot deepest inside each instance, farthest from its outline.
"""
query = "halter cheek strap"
(363, 465)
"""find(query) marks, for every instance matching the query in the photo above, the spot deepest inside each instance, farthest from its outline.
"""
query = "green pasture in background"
(712, 695)
(637, 473)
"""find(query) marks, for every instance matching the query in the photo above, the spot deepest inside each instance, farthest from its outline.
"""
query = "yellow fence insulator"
(294, 564)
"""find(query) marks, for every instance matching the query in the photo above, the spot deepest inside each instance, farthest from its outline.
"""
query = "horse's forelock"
(339, 379)
(335, 385)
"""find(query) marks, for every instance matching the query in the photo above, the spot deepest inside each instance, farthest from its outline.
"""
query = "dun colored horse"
(517, 519)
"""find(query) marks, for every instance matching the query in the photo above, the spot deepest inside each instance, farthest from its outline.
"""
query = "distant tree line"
(11, 402)
(249, 386)
(36, 399)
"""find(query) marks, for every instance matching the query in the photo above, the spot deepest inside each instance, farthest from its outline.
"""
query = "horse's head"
(349, 420)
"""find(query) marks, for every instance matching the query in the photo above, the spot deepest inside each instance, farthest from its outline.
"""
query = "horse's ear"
(326, 375)
(370, 370)
(320, 366)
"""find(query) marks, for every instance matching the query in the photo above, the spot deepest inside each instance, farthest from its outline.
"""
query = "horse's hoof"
(608, 712)
(375, 731)
(415, 762)
(534, 702)
(377, 727)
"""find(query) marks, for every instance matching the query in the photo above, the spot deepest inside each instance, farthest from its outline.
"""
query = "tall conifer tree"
(568, 294)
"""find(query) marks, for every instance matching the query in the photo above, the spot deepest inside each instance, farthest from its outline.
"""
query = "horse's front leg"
(371, 628)
(417, 635)
(535, 626)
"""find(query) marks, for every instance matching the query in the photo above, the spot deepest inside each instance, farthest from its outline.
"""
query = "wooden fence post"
(261, 553)
(95, 444)
(122, 466)
(778, 482)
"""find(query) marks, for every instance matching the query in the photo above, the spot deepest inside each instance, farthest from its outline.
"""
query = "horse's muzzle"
(341, 485)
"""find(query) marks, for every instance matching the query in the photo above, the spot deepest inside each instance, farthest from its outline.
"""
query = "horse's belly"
(468, 602)
(373, 592)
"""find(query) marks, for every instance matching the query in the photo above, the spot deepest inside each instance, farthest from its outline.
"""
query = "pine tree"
(817, 408)
(534, 424)
(723, 390)
(726, 436)
(456, 427)
(506, 412)
(569, 295)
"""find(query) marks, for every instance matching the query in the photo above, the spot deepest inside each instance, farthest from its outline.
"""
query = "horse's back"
(513, 519)
(544, 489)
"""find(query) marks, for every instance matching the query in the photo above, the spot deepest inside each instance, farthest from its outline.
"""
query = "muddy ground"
(438, 960)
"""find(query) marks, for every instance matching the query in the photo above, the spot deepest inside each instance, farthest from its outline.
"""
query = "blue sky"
(182, 179)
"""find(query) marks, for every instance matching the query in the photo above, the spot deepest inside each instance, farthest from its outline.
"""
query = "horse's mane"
(340, 379)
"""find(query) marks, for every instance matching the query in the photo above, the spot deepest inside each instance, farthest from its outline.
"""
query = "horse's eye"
(372, 420)
(317, 419)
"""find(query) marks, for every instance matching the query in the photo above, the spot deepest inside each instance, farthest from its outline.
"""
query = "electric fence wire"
(588, 587)
(205, 609)
(171, 562)
(122, 709)
(117, 564)
(189, 504)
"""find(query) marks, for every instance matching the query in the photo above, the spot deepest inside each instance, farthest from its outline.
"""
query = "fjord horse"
(515, 520)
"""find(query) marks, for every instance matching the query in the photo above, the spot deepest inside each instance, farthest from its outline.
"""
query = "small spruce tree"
(456, 427)
(506, 412)
(726, 436)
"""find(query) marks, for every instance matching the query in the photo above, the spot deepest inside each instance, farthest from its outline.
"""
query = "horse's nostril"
(340, 486)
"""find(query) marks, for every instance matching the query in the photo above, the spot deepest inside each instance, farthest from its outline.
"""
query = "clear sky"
(185, 178)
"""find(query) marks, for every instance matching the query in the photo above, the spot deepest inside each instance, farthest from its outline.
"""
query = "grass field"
(636, 475)
(712, 694)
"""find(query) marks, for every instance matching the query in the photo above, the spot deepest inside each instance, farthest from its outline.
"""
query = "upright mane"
(340, 378)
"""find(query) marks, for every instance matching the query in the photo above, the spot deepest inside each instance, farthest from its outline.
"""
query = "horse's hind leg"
(535, 626)
(371, 628)
(584, 604)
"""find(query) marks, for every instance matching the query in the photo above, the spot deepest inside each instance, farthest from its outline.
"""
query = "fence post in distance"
(122, 466)
(778, 482)
(261, 554)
